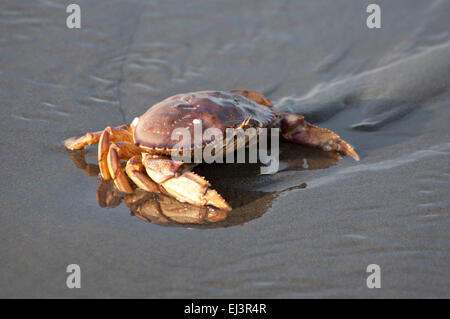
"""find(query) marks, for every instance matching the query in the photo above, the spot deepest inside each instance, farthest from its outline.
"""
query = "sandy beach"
(308, 231)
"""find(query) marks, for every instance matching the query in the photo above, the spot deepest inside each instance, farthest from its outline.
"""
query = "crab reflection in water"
(161, 209)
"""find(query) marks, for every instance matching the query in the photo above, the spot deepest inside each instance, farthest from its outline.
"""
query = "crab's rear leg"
(295, 128)
(186, 186)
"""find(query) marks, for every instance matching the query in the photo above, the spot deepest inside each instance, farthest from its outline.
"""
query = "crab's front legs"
(295, 128)
(136, 171)
(186, 186)
(122, 133)
(109, 156)
(125, 150)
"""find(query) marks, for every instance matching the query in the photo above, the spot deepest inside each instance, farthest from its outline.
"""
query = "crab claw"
(186, 187)
(194, 189)
(344, 148)
(295, 128)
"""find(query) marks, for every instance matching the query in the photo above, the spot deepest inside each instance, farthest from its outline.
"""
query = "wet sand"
(308, 231)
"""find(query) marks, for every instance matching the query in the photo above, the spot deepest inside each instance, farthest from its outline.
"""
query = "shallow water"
(308, 231)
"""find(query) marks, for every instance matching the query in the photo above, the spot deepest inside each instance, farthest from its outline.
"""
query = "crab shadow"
(232, 181)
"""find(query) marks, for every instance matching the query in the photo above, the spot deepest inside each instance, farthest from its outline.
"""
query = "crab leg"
(115, 169)
(136, 171)
(124, 151)
(184, 186)
(295, 128)
(128, 150)
(117, 134)
(103, 150)
(114, 155)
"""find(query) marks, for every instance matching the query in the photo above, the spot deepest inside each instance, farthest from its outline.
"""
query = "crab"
(146, 144)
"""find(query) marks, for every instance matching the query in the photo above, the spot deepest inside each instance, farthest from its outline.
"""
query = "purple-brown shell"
(215, 109)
